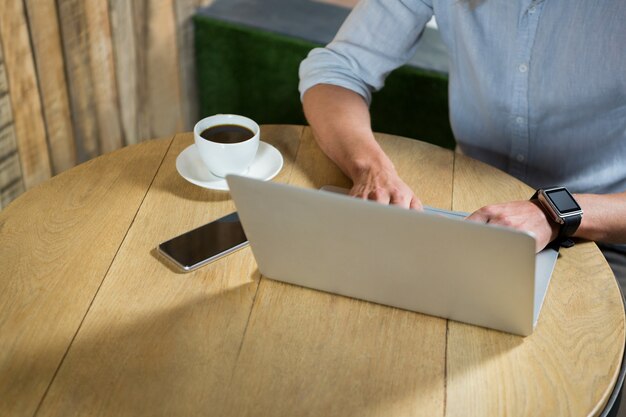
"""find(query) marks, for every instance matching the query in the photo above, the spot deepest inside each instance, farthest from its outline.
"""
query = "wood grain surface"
(309, 353)
(24, 94)
(117, 331)
(46, 41)
(57, 245)
(573, 356)
(159, 342)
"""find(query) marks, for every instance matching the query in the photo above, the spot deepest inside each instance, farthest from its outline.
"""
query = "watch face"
(563, 200)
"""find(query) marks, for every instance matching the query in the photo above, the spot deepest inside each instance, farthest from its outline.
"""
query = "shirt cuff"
(321, 67)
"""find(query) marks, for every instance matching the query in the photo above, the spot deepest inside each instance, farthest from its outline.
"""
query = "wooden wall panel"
(7, 142)
(140, 11)
(86, 38)
(161, 84)
(84, 77)
(6, 115)
(76, 56)
(4, 86)
(46, 41)
(10, 170)
(11, 184)
(24, 94)
(186, 59)
(11, 192)
(103, 75)
(126, 67)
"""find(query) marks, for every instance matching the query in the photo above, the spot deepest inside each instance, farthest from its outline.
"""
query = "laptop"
(431, 262)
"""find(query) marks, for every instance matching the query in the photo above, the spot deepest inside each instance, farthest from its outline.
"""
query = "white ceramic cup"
(226, 158)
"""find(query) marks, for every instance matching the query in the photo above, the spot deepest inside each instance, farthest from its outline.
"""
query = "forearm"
(604, 217)
(340, 121)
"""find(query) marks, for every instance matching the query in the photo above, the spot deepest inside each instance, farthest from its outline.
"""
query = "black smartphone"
(205, 244)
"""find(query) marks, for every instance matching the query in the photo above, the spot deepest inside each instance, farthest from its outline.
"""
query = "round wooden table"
(93, 322)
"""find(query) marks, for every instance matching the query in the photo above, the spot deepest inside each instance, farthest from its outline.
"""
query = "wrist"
(554, 227)
(561, 208)
(597, 211)
(370, 163)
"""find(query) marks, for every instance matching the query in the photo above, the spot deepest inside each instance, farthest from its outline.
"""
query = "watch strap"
(569, 227)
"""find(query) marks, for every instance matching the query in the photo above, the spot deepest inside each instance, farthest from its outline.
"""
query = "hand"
(383, 185)
(341, 124)
(527, 216)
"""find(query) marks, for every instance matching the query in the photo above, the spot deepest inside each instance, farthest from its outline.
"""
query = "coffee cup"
(226, 143)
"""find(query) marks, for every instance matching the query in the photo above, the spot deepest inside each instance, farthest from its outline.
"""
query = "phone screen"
(206, 243)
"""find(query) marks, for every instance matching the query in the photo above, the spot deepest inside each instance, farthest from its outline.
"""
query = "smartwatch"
(562, 208)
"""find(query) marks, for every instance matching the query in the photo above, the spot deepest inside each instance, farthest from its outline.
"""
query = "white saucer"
(266, 165)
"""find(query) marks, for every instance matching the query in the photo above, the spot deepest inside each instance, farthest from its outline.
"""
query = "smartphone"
(205, 244)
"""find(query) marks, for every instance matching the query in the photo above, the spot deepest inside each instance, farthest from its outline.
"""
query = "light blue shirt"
(536, 88)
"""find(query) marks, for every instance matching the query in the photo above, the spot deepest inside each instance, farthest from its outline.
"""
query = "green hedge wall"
(253, 72)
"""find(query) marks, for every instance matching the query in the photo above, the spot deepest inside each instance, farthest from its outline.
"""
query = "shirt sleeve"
(377, 37)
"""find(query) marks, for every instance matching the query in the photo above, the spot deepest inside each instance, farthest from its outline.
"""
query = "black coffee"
(227, 134)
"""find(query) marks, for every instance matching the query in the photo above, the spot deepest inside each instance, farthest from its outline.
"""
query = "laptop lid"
(544, 260)
(423, 262)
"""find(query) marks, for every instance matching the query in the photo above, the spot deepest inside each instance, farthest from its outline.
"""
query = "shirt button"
(519, 120)
(520, 157)
(523, 68)
(532, 10)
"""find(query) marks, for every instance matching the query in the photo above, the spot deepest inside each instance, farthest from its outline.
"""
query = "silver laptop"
(426, 262)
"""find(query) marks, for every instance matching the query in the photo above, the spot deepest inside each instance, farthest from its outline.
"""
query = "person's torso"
(538, 88)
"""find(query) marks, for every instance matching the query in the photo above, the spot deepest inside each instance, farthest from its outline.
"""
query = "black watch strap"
(568, 228)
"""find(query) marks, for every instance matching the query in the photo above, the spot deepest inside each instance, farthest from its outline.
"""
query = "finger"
(379, 195)
(358, 192)
(402, 200)
(416, 204)
(479, 216)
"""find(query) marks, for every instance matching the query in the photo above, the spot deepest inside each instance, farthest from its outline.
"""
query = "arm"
(604, 218)
(336, 84)
(340, 121)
